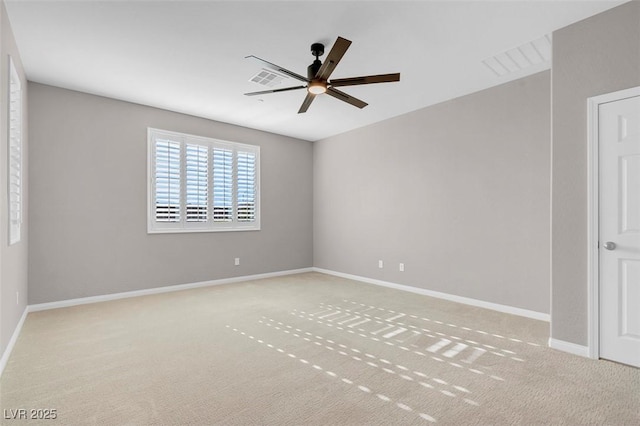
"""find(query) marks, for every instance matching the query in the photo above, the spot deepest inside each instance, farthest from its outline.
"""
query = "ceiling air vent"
(268, 78)
(528, 54)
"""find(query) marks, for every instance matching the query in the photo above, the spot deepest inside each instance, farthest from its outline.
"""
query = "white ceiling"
(189, 56)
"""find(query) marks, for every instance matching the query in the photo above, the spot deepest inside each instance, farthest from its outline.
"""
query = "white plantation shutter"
(15, 183)
(15, 155)
(167, 181)
(222, 185)
(197, 158)
(199, 184)
(246, 182)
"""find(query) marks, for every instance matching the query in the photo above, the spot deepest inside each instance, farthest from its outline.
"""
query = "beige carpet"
(304, 349)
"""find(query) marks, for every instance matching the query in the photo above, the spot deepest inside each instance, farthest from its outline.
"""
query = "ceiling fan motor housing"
(312, 69)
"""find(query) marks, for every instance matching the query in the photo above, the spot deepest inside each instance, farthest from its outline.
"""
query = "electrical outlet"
(401, 267)
(380, 264)
(237, 261)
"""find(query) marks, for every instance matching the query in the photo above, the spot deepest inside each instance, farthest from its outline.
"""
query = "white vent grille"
(524, 56)
(268, 78)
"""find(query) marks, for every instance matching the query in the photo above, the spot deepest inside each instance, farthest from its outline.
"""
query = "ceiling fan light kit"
(317, 87)
(318, 73)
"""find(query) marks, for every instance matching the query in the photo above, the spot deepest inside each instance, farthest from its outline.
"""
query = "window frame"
(183, 226)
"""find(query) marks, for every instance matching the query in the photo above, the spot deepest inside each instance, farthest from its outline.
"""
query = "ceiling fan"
(318, 73)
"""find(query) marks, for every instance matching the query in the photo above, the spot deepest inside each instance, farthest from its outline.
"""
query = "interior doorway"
(614, 222)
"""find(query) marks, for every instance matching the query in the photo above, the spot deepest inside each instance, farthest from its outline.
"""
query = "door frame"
(593, 219)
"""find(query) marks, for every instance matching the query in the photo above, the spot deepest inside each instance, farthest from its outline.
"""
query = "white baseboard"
(451, 297)
(12, 341)
(571, 348)
(158, 290)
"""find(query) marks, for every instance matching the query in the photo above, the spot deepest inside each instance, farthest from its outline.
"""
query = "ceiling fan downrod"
(317, 50)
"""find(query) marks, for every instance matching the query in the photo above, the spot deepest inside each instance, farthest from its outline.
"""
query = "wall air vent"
(268, 78)
(524, 56)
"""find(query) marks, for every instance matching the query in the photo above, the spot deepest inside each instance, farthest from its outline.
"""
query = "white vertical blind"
(201, 184)
(222, 185)
(197, 167)
(167, 179)
(246, 182)
(15, 154)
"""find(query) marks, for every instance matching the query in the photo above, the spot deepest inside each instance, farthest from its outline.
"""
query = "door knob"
(609, 245)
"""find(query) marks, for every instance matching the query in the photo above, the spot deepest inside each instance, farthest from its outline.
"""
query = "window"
(15, 154)
(198, 184)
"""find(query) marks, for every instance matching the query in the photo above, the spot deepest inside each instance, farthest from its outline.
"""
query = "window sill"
(189, 231)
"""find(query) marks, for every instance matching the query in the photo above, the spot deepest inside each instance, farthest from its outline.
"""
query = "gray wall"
(458, 192)
(595, 56)
(88, 211)
(13, 259)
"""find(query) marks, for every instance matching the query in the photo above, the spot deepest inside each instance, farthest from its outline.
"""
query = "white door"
(619, 227)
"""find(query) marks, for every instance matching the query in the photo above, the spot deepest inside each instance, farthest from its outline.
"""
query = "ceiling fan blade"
(346, 98)
(369, 79)
(337, 52)
(307, 101)
(279, 68)
(284, 89)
